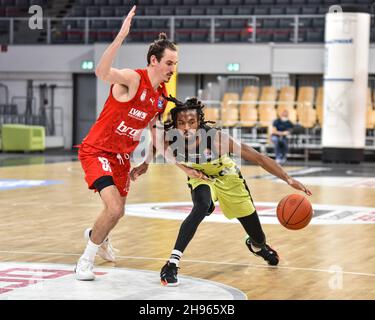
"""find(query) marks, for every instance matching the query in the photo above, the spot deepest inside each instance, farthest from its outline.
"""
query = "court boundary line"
(250, 265)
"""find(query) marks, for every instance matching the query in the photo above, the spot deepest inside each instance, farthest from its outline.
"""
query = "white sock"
(175, 257)
(90, 251)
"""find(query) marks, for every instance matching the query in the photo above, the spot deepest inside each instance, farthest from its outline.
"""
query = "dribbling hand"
(299, 186)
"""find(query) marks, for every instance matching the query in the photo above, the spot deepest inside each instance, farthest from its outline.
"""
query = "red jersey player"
(135, 100)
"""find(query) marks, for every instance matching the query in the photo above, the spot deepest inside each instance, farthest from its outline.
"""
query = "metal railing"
(212, 26)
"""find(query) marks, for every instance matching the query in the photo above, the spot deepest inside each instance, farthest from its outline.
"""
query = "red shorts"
(97, 163)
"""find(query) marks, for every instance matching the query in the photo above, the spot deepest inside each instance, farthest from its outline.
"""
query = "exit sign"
(233, 67)
(87, 65)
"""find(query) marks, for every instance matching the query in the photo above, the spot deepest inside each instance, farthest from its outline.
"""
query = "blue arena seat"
(292, 10)
(159, 23)
(198, 11)
(189, 2)
(277, 10)
(159, 3)
(213, 11)
(100, 3)
(318, 23)
(86, 2)
(144, 2)
(167, 11)
(309, 10)
(182, 11)
(190, 23)
(114, 3)
(92, 11)
(22, 3)
(142, 24)
(305, 22)
(298, 2)
(229, 11)
(183, 36)
(269, 23)
(199, 36)
(268, 2)
(175, 2)
(219, 2)
(223, 23)
(107, 12)
(152, 11)
(239, 23)
(205, 2)
(244, 11)
(114, 24)
(261, 11)
(98, 24)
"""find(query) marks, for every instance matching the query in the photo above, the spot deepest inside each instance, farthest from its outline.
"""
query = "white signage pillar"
(347, 37)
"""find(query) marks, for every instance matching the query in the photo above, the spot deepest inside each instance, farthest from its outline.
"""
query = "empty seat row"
(212, 2)
(194, 23)
(21, 3)
(111, 11)
(188, 35)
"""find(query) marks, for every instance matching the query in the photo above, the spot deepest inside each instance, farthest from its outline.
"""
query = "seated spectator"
(280, 130)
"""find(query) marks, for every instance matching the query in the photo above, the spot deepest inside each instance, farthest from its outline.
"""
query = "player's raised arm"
(225, 143)
(104, 69)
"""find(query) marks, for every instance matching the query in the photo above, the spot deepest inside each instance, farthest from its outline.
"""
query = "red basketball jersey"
(120, 124)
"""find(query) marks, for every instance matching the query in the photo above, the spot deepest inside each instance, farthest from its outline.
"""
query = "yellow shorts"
(231, 192)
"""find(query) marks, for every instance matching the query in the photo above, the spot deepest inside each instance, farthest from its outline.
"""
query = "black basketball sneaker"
(267, 253)
(168, 275)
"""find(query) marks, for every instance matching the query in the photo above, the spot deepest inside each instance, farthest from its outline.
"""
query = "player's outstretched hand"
(124, 31)
(299, 186)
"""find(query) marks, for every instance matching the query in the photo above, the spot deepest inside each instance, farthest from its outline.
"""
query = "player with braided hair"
(203, 153)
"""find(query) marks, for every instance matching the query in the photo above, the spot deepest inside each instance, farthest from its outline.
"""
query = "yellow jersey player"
(203, 153)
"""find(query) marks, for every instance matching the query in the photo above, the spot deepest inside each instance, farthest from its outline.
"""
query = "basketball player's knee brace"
(103, 182)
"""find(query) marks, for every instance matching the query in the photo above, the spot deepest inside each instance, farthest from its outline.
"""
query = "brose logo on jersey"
(137, 114)
(124, 130)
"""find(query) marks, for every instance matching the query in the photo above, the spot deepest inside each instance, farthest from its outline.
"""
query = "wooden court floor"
(45, 224)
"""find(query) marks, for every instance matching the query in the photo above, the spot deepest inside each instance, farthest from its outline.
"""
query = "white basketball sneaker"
(84, 270)
(106, 251)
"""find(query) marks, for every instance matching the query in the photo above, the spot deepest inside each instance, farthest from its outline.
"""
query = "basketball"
(294, 212)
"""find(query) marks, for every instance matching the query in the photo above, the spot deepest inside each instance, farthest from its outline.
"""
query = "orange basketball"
(294, 211)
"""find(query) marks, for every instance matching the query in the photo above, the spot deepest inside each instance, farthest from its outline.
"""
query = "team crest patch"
(160, 103)
(143, 95)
